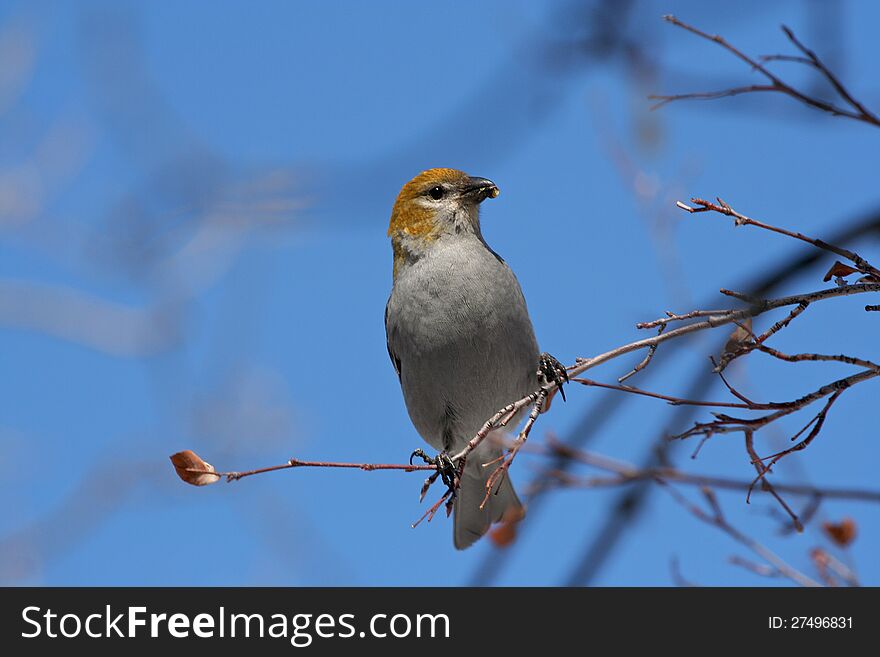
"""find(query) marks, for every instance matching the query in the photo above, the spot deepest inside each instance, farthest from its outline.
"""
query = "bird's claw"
(552, 371)
(421, 454)
(446, 467)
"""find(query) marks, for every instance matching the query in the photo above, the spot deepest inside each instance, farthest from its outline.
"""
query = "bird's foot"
(552, 371)
(446, 468)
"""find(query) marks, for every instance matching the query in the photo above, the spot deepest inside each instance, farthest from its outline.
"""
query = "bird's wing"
(395, 361)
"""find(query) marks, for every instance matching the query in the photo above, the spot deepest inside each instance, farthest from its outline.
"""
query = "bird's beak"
(479, 189)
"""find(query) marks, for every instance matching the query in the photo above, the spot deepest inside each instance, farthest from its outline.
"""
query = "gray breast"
(459, 329)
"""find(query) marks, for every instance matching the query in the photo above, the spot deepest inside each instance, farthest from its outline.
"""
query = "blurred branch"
(626, 473)
(72, 315)
(856, 110)
(715, 517)
(829, 567)
(721, 207)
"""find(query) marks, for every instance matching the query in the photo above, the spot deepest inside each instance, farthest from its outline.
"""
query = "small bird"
(459, 334)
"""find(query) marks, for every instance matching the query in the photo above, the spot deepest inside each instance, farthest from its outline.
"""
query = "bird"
(459, 336)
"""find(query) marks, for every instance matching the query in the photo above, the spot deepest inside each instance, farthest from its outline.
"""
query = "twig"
(710, 95)
(673, 401)
(501, 471)
(672, 317)
(817, 422)
(724, 208)
(757, 568)
(817, 63)
(728, 424)
(733, 391)
(776, 84)
(717, 519)
(296, 463)
(786, 58)
(645, 361)
(765, 483)
(429, 514)
(781, 324)
(626, 473)
(677, 577)
(796, 358)
(826, 564)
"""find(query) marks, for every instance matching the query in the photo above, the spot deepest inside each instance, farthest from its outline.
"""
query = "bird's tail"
(470, 521)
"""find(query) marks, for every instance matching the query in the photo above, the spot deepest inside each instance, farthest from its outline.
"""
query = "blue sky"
(215, 179)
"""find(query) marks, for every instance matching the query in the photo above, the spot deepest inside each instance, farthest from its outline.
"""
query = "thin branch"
(728, 424)
(733, 391)
(765, 483)
(756, 568)
(776, 84)
(645, 361)
(446, 498)
(673, 401)
(796, 358)
(717, 519)
(296, 463)
(500, 472)
(818, 422)
(741, 220)
(710, 95)
(838, 86)
(672, 317)
(827, 564)
(781, 324)
(786, 58)
(626, 473)
(677, 577)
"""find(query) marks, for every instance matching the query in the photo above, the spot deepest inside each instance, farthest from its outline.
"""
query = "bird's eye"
(436, 193)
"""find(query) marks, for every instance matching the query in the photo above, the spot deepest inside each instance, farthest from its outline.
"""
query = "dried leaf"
(504, 533)
(192, 469)
(739, 337)
(839, 269)
(842, 533)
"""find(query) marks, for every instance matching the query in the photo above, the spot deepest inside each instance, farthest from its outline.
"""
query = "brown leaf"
(504, 533)
(842, 533)
(739, 337)
(839, 269)
(192, 469)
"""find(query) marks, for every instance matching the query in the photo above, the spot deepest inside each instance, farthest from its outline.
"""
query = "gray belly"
(466, 348)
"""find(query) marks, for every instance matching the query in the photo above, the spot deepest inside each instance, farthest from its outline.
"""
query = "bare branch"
(741, 220)
(625, 473)
(765, 483)
(296, 463)
(716, 519)
(814, 60)
(776, 84)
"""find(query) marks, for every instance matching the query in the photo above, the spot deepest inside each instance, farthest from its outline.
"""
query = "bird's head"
(436, 204)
